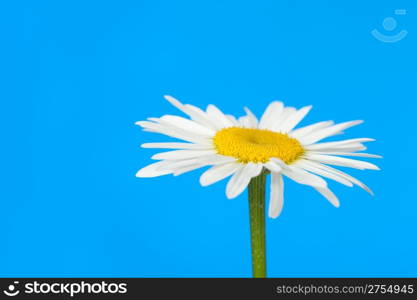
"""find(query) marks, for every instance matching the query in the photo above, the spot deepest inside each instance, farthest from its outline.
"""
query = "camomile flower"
(246, 147)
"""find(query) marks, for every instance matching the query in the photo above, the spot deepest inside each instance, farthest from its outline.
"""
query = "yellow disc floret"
(257, 145)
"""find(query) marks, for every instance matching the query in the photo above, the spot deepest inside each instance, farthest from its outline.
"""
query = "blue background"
(76, 75)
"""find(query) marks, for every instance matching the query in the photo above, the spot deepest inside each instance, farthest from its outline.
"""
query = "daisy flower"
(247, 147)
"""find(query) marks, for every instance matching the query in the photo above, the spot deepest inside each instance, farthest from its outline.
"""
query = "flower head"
(242, 148)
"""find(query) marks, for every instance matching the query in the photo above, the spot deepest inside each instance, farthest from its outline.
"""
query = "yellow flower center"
(257, 145)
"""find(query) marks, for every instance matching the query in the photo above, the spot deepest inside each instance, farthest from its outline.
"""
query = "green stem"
(257, 225)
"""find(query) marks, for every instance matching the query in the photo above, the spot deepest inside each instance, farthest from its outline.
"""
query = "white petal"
(341, 161)
(235, 180)
(181, 166)
(333, 145)
(309, 166)
(344, 175)
(304, 177)
(273, 166)
(216, 159)
(279, 162)
(153, 170)
(303, 131)
(219, 172)
(348, 154)
(233, 120)
(206, 160)
(295, 118)
(176, 146)
(276, 200)
(241, 179)
(194, 112)
(199, 116)
(182, 154)
(253, 121)
(174, 132)
(213, 159)
(200, 163)
(244, 122)
(328, 194)
(218, 117)
(174, 165)
(287, 113)
(272, 112)
(197, 163)
(175, 103)
(326, 132)
(341, 148)
(257, 170)
(189, 168)
(186, 124)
